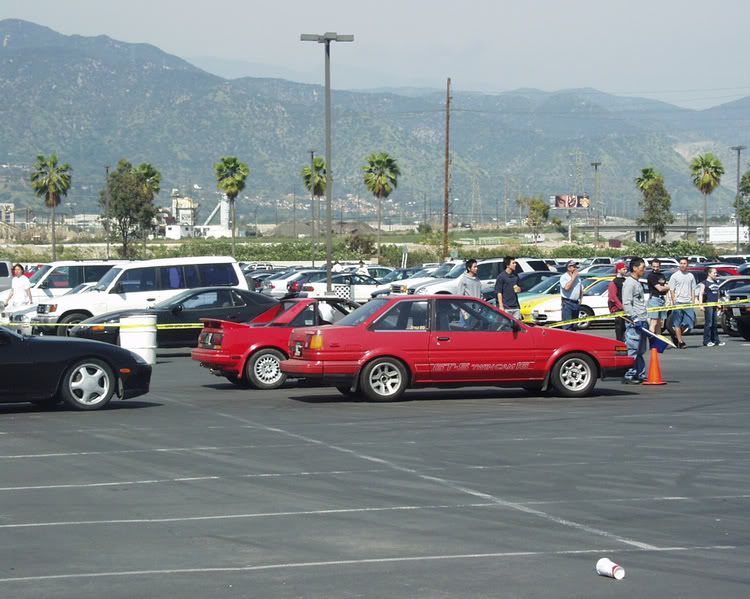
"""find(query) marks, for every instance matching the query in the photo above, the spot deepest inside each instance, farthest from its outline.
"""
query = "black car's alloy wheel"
(88, 385)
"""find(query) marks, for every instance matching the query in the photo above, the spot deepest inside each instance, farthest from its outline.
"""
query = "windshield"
(598, 288)
(443, 270)
(456, 271)
(362, 313)
(107, 279)
(37, 276)
(394, 275)
(543, 285)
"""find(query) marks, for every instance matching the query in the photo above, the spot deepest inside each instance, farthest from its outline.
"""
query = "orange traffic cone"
(654, 370)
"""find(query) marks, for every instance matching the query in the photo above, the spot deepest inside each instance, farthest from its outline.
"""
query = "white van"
(139, 284)
(57, 278)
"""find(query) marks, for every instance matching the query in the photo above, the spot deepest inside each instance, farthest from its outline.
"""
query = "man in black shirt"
(507, 288)
(657, 291)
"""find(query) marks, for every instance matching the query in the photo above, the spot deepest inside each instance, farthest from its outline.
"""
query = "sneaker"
(720, 344)
(682, 345)
(631, 381)
(710, 344)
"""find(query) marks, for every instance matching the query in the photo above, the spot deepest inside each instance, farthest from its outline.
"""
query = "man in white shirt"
(682, 288)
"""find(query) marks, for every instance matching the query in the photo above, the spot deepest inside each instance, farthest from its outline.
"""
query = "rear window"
(362, 313)
(537, 265)
(218, 274)
(4, 272)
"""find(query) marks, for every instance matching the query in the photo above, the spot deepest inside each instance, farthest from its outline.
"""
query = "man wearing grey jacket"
(634, 305)
(469, 284)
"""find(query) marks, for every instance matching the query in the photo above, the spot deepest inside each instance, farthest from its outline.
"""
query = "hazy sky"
(687, 52)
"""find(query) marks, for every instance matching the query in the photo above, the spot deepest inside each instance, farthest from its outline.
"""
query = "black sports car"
(221, 303)
(84, 374)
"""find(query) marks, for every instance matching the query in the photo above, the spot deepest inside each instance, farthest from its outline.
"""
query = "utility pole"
(106, 206)
(597, 205)
(447, 158)
(737, 149)
(294, 211)
(505, 197)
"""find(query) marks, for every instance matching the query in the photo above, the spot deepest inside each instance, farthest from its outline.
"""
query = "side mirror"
(117, 289)
(177, 309)
(44, 285)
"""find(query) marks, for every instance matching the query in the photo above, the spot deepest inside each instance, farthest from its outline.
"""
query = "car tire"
(584, 312)
(70, 319)
(263, 369)
(573, 375)
(88, 385)
(743, 329)
(729, 325)
(383, 379)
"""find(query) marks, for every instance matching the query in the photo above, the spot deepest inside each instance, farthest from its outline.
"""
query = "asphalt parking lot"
(200, 489)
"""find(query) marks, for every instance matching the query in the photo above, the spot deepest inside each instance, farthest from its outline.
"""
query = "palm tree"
(707, 171)
(648, 175)
(51, 182)
(230, 179)
(381, 178)
(151, 176)
(314, 180)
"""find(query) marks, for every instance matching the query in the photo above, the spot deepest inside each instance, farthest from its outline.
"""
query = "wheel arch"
(375, 356)
(560, 354)
(71, 363)
(254, 349)
(80, 311)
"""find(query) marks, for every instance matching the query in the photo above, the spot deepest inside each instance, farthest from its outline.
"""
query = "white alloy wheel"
(88, 385)
(574, 375)
(264, 369)
(384, 379)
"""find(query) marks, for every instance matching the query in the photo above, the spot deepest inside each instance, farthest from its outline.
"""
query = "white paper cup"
(606, 567)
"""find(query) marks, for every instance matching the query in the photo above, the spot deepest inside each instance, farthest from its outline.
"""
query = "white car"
(594, 303)
(402, 287)
(137, 284)
(346, 285)
(487, 273)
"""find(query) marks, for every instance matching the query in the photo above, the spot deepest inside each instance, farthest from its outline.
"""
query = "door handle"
(443, 338)
(150, 299)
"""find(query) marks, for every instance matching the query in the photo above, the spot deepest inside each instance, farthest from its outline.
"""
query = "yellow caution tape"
(651, 309)
(186, 325)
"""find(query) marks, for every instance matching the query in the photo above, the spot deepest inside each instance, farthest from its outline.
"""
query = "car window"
(363, 313)
(217, 298)
(469, 315)
(217, 274)
(239, 300)
(404, 316)
(172, 277)
(64, 277)
(598, 288)
(4, 272)
(138, 279)
(306, 318)
(94, 272)
(543, 285)
(363, 280)
(487, 270)
(333, 312)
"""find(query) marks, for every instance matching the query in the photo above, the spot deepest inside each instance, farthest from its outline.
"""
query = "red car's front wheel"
(574, 375)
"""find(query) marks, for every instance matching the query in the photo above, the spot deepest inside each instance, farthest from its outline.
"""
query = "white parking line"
(357, 562)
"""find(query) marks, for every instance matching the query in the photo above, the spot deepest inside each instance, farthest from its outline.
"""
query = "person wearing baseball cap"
(614, 298)
(571, 293)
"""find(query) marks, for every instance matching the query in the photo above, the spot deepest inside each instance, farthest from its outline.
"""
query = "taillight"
(216, 340)
(308, 288)
(621, 350)
(315, 341)
(294, 286)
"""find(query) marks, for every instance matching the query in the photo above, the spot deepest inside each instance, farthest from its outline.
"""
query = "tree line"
(127, 200)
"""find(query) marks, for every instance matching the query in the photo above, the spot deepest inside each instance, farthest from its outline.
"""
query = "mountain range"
(94, 100)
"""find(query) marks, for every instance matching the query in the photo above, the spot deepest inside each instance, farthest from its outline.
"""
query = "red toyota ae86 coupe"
(391, 344)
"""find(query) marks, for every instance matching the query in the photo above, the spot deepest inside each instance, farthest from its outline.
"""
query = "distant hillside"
(94, 100)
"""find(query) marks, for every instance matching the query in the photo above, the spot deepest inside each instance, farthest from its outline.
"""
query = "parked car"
(348, 285)
(249, 354)
(727, 284)
(188, 307)
(741, 311)
(6, 275)
(276, 285)
(84, 374)
(395, 343)
(295, 284)
(57, 278)
(402, 287)
(137, 285)
(399, 274)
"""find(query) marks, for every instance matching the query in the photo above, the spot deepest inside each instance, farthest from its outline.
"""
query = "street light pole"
(326, 39)
(737, 149)
(597, 207)
(106, 206)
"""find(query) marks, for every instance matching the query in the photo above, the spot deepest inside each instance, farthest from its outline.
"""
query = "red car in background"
(391, 344)
(248, 354)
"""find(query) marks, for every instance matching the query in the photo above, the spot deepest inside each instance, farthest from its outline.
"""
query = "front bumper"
(137, 382)
(39, 321)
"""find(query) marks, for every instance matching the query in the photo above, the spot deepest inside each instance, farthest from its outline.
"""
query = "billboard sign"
(570, 201)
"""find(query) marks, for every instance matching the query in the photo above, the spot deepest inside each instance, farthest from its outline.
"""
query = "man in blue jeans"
(634, 305)
(571, 292)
